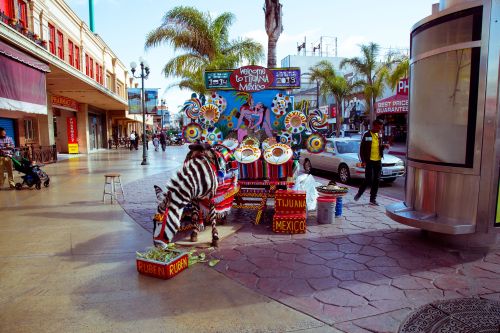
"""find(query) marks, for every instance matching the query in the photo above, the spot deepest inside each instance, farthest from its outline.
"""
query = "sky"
(123, 24)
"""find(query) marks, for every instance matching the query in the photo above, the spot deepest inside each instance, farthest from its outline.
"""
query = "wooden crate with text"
(290, 202)
(163, 270)
(289, 223)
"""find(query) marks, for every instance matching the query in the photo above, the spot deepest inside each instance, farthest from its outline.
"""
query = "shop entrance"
(96, 128)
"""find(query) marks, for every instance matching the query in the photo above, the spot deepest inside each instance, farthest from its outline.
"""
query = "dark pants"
(372, 177)
(164, 146)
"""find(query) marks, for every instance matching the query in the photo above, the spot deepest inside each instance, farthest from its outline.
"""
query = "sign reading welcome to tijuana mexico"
(253, 78)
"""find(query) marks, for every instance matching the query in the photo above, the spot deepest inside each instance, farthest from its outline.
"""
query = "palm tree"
(205, 44)
(332, 83)
(370, 68)
(274, 28)
(401, 70)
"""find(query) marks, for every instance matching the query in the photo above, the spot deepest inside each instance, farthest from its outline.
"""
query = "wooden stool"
(112, 179)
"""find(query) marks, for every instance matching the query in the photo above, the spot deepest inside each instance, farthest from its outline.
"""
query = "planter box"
(289, 223)
(163, 270)
(290, 202)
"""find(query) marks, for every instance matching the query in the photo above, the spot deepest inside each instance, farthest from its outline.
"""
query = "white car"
(341, 155)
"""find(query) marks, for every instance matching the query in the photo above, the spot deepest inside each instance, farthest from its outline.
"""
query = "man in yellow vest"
(371, 153)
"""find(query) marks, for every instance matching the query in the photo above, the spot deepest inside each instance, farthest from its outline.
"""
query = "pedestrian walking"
(132, 140)
(371, 153)
(163, 141)
(156, 142)
(6, 147)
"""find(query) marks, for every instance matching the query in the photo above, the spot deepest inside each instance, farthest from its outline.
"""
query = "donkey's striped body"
(197, 180)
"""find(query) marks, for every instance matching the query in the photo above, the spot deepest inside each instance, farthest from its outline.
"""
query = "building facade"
(63, 86)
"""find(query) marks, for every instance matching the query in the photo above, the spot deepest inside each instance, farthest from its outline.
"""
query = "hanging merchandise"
(251, 141)
(315, 143)
(316, 120)
(192, 132)
(211, 136)
(280, 104)
(295, 122)
(192, 108)
(218, 100)
(247, 154)
(268, 142)
(209, 114)
(231, 143)
(285, 137)
(278, 154)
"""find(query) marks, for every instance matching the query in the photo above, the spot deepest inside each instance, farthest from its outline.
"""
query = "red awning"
(22, 82)
(20, 56)
(393, 104)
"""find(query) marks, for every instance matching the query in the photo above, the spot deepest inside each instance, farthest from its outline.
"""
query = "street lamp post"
(143, 75)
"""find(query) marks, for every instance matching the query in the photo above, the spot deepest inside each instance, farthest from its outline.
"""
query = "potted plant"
(36, 37)
(12, 21)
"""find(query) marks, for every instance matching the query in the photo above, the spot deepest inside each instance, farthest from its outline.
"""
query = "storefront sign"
(393, 104)
(65, 103)
(72, 135)
(253, 78)
(403, 87)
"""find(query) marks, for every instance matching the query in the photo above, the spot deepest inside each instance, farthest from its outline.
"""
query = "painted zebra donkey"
(196, 181)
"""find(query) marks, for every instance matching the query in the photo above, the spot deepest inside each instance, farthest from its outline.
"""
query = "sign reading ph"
(403, 87)
(72, 135)
(251, 78)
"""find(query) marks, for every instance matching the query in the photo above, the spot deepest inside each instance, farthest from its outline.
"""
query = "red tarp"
(22, 81)
(393, 104)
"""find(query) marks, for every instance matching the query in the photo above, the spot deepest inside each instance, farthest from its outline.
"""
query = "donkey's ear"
(158, 192)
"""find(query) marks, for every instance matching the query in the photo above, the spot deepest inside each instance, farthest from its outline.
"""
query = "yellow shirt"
(375, 151)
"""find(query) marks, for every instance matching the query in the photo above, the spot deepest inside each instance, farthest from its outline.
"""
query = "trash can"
(326, 210)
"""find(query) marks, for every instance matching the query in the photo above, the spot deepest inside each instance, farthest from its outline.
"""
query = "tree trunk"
(271, 53)
(338, 116)
(274, 28)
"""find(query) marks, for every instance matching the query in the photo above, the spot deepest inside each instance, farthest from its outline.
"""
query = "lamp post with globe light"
(143, 75)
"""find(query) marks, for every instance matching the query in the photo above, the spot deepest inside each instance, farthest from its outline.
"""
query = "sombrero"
(315, 143)
(268, 142)
(192, 132)
(250, 141)
(209, 114)
(218, 100)
(247, 154)
(211, 136)
(231, 143)
(295, 122)
(278, 154)
(284, 137)
(280, 104)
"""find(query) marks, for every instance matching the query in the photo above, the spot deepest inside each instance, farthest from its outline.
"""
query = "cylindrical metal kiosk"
(453, 168)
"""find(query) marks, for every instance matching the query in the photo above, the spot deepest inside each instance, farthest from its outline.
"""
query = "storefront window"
(443, 92)
(29, 130)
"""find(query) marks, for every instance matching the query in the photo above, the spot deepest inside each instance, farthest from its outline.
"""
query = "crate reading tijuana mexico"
(162, 263)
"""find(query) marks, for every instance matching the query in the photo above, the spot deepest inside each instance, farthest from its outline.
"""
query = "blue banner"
(151, 100)
(134, 101)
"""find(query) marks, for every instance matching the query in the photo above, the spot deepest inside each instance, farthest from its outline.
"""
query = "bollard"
(338, 207)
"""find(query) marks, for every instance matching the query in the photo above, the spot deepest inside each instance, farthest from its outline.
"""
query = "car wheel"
(389, 180)
(307, 166)
(344, 174)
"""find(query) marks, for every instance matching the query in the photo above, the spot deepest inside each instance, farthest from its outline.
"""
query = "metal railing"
(39, 154)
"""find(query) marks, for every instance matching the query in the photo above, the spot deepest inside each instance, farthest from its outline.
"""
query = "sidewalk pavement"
(67, 264)
(67, 260)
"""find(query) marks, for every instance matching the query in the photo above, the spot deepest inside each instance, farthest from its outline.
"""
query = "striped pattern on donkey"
(197, 180)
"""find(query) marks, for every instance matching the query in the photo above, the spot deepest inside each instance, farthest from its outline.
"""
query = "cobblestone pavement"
(365, 273)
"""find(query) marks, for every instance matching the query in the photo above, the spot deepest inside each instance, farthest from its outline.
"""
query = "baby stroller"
(33, 175)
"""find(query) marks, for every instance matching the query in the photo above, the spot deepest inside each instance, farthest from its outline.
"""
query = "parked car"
(341, 155)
